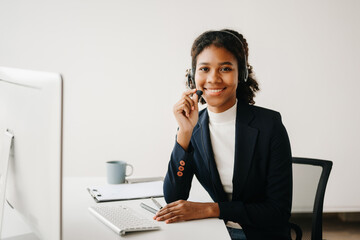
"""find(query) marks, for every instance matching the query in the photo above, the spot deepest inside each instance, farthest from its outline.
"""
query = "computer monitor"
(31, 109)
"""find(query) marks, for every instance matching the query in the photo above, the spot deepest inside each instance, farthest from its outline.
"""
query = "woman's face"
(217, 76)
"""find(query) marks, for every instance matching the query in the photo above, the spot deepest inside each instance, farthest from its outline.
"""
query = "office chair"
(317, 213)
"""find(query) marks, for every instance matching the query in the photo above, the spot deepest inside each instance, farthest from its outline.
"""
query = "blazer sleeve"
(275, 209)
(179, 176)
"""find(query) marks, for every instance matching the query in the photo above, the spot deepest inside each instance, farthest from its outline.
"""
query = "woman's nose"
(213, 77)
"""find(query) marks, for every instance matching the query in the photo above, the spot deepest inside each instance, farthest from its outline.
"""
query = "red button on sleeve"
(179, 174)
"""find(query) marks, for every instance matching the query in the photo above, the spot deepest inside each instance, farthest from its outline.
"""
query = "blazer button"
(179, 174)
(181, 168)
(182, 163)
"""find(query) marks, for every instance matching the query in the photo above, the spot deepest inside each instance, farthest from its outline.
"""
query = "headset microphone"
(199, 93)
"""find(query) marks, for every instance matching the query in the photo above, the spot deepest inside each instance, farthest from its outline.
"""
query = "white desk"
(79, 223)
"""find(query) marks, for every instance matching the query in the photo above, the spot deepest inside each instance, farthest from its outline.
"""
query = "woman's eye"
(204, 69)
(225, 69)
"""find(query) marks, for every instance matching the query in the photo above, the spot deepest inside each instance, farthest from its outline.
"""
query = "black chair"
(317, 213)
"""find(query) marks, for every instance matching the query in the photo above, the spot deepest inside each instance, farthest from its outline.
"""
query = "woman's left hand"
(182, 210)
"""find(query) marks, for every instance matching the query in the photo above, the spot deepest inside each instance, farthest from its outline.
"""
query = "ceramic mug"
(116, 171)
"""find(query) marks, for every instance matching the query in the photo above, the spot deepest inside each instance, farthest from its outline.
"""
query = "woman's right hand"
(186, 112)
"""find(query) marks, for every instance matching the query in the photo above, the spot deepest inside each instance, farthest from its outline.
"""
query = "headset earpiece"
(246, 73)
(190, 83)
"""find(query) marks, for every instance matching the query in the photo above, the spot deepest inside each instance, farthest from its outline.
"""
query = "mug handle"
(132, 170)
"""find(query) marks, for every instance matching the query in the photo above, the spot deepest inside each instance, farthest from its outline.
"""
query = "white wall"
(123, 63)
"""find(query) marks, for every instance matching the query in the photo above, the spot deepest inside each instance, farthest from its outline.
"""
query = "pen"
(156, 203)
(150, 209)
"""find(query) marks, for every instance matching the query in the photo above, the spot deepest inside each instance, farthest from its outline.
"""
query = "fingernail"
(192, 108)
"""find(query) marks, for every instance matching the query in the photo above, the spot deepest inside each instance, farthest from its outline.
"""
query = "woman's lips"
(214, 91)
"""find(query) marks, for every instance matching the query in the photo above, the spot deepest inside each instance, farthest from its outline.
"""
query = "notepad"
(118, 192)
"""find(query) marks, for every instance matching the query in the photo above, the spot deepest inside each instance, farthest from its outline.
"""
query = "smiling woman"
(240, 153)
(217, 76)
(237, 46)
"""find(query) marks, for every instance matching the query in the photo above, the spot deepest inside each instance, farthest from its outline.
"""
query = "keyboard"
(123, 219)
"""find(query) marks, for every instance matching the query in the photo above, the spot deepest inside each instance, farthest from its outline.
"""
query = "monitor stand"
(4, 163)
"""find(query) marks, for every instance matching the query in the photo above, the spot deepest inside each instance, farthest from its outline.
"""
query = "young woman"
(239, 152)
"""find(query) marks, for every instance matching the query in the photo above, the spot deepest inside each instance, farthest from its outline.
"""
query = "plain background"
(124, 62)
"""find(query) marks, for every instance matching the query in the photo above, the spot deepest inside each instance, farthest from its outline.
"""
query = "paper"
(126, 191)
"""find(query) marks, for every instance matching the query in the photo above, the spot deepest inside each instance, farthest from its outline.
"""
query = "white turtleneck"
(222, 136)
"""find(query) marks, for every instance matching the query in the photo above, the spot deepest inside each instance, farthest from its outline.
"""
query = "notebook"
(118, 192)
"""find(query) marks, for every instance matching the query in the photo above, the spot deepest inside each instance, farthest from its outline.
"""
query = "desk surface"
(79, 223)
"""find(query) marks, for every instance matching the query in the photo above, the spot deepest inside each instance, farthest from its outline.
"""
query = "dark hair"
(230, 40)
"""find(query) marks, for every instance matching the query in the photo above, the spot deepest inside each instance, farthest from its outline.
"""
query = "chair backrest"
(317, 213)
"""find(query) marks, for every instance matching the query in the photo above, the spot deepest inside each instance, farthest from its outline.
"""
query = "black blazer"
(262, 179)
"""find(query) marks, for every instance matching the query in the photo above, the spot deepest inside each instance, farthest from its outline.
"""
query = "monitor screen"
(31, 109)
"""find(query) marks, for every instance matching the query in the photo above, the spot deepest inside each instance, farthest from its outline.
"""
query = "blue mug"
(116, 171)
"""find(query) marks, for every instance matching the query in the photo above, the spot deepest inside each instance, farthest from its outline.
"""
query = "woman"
(239, 152)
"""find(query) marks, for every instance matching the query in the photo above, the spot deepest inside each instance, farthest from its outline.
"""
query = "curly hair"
(230, 40)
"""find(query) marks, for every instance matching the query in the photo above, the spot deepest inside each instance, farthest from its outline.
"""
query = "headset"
(190, 82)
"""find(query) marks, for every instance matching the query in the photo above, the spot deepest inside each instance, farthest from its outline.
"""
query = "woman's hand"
(182, 210)
(186, 112)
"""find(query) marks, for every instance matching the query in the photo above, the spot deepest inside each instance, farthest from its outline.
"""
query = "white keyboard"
(123, 219)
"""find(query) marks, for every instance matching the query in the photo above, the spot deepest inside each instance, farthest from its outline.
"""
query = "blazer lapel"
(203, 142)
(245, 140)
